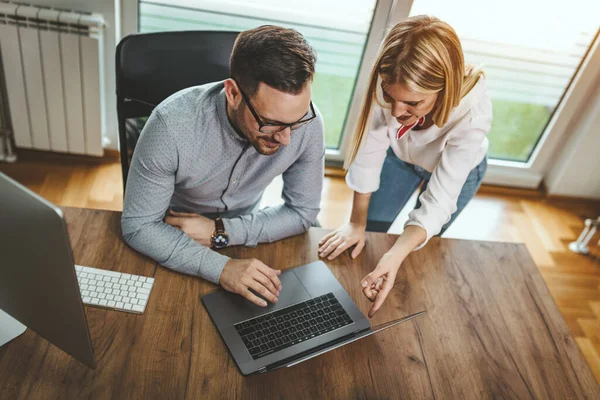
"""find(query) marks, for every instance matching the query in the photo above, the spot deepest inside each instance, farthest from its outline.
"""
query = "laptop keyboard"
(292, 325)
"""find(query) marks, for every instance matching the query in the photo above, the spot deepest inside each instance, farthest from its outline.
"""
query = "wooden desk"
(491, 330)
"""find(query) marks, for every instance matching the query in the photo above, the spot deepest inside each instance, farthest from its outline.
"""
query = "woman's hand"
(334, 243)
(377, 284)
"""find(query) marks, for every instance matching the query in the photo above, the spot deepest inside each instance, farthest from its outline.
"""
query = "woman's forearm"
(360, 208)
(412, 237)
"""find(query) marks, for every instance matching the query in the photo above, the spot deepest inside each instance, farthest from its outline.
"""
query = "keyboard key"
(142, 290)
(246, 331)
(138, 308)
(126, 276)
(87, 299)
(141, 279)
(150, 280)
(127, 306)
(111, 303)
(114, 280)
(134, 278)
(110, 297)
(120, 304)
(103, 302)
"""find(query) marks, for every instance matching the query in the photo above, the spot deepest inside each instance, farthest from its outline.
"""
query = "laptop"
(314, 315)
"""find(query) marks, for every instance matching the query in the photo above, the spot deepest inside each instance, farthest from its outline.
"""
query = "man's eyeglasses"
(273, 128)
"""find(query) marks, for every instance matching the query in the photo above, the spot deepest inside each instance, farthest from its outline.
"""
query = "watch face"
(220, 240)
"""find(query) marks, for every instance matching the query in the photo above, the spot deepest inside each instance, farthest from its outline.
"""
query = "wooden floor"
(545, 226)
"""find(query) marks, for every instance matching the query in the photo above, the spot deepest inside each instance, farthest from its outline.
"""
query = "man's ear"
(232, 93)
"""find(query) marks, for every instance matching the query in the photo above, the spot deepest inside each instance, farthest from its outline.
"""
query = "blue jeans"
(399, 180)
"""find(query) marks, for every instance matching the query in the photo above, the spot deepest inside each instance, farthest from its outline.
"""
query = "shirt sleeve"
(438, 201)
(302, 185)
(150, 185)
(364, 173)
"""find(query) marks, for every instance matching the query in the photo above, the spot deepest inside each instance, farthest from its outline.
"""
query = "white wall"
(576, 170)
(107, 9)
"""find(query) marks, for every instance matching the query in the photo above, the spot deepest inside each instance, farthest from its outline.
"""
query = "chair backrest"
(152, 66)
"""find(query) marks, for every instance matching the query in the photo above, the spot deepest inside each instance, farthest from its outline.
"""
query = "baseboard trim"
(28, 155)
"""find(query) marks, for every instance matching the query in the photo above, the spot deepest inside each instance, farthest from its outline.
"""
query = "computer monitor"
(38, 283)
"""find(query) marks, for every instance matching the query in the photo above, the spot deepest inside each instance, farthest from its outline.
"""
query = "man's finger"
(271, 274)
(262, 290)
(253, 298)
(266, 282)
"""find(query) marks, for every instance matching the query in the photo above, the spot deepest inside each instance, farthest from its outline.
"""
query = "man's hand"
(195, 226)
(239, 276)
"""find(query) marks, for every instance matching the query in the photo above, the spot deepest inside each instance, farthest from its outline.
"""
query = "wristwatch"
(219, 238)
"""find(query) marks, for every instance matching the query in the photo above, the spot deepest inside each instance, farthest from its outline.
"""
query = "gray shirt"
(190, 158)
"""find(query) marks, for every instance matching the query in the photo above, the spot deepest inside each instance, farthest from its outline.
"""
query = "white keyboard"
(114, 290)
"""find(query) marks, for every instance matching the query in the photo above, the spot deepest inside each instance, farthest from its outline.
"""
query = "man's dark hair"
(277, 56)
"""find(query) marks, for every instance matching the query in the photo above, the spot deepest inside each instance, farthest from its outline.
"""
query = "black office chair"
(152, 66)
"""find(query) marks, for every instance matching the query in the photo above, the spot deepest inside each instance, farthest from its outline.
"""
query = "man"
(208, 152)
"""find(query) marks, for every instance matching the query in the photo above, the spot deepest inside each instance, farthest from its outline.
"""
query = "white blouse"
(449, 153)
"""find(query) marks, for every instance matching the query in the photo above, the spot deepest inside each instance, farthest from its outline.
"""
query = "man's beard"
(254, 141)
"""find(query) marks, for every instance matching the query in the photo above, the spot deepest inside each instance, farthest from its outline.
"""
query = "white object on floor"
(581, 244)
(114, 290)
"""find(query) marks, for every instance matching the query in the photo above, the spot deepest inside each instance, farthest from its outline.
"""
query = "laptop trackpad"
(293, 292)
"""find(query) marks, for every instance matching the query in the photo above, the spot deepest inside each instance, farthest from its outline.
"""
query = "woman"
(424, 121)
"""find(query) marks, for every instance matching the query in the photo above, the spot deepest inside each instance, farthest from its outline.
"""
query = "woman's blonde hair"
(424, 54)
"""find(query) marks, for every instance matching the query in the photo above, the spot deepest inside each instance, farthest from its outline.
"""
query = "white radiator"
(53, 67)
